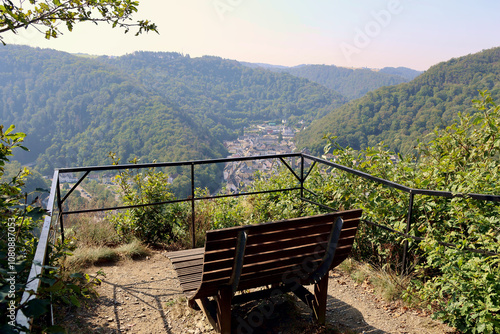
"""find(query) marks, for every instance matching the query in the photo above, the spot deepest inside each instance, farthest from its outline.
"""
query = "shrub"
(464, 158)
(158, 224)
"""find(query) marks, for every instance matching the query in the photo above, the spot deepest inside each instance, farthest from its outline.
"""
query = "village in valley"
(257, 140)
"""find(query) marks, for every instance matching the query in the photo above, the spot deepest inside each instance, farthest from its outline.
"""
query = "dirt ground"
(144, 296)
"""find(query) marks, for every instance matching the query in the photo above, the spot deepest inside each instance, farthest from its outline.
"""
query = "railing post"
(59, 207)
(193, 234)
(408, 227)
(301, 176)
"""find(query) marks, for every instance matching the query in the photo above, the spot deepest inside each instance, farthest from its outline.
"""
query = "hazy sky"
(352, 33)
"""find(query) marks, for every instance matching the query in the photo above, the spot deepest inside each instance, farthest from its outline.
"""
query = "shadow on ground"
(338, 311)
(286, 314)
(144, 295)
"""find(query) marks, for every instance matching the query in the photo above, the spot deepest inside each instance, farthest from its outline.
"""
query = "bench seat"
(282, 255)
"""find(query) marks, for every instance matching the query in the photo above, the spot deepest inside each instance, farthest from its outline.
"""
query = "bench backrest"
(274, 251)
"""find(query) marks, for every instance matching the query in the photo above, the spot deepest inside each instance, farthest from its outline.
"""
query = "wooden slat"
(189, 263)
(254, 237)
(283, 254)
(281, 232)
(261, 267)
(222, 253)
(271, 278)
(179, 261)
(284, 243)
(218, 278)
(282, 224)
(189, 271)
(190, 290)
(191, 284)
(190, 279)
(269, 253)
(227, 254)
(182, 253)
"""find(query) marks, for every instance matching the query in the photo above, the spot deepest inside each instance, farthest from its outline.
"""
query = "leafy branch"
(49, 14)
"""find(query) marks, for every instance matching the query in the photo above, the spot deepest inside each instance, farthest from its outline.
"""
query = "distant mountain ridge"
(226, 96)
(402, 114)
(404, 72)
(353, 83)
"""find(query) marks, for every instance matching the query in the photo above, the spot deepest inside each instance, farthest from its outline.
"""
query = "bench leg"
(224, 297)
(320, 296)
(316, 302)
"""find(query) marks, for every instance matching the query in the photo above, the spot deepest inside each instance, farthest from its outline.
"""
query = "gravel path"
(144, 296)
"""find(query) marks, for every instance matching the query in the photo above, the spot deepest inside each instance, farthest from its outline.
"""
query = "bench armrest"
(238, 260)
(327, 260)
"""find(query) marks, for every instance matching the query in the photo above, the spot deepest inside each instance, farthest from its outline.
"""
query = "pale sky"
(350, 33)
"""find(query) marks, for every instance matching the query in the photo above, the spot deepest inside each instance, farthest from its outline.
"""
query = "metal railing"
(55, 216)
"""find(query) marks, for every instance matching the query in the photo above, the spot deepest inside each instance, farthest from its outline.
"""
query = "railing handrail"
(174, 164)
(40, 257)
(416, 191)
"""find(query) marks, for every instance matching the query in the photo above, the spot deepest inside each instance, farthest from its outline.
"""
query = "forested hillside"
(404, 72)
(163, 106)
(351, 83)
(226, 96)
(76, 110)
(399, 115)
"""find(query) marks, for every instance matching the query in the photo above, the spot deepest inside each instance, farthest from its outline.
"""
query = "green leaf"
(9, 130)
(36, 307)
(75, 301)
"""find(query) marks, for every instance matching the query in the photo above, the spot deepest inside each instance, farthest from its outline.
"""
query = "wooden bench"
(283, 255)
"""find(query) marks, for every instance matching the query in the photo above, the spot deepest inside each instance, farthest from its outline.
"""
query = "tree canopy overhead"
(47, 15)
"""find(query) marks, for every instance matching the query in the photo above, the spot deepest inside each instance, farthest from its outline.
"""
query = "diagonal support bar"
(290, 169)
(76, 185)
(309, 171)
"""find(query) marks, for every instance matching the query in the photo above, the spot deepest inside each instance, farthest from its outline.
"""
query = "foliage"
(279, 205)
(92, 232)
(214, 214)
(386, 283)
(19, 223)
(404, 72)
(462, 286)
(34, 184)
(17, 241)
(459, 285)
(157, 224)
(11, 193)
(466, 159)
(48, 15)
(383, 205)
(400, 115)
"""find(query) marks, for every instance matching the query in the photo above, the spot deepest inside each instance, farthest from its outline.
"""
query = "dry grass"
(97, 242)
(94, 232)
(85, 256)
(386, 283)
